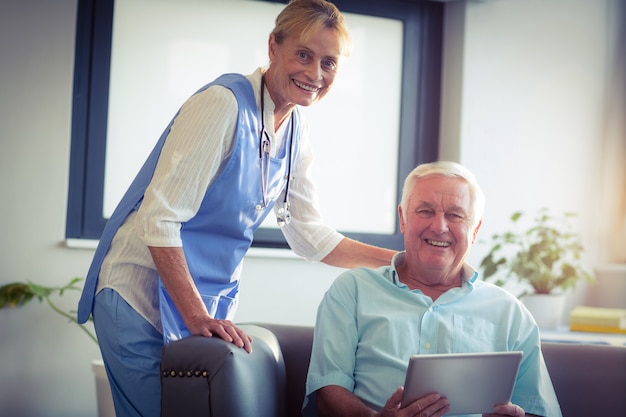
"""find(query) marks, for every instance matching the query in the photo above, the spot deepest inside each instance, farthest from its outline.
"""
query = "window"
(383, 112)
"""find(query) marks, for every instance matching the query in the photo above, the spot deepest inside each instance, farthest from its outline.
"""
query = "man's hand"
(509, 409)
(333, 401)
(224, 329)
(431, 405)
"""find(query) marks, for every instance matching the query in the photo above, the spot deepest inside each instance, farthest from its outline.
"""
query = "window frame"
(419, 119)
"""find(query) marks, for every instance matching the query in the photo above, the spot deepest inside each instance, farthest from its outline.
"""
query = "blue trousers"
(131, 350)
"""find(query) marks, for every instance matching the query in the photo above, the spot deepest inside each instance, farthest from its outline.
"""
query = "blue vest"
(217, 238)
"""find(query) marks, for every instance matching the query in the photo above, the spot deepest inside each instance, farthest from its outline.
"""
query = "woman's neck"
(282, 109)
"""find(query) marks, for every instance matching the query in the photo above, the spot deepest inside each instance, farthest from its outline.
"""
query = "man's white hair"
(451, 170)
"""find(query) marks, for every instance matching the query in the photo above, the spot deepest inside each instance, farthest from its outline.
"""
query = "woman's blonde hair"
(303, 18)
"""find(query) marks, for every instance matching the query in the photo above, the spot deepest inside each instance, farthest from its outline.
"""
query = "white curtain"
(613, 187)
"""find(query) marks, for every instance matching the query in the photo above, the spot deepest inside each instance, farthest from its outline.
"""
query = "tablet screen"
(472, 382)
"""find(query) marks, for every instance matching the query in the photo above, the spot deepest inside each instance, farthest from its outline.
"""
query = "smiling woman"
(146, 57)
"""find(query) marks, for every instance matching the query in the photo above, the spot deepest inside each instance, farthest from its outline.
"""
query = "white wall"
(532, 87)
(531, 91)
(42, 359)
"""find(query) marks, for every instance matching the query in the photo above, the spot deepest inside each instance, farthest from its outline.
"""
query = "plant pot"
(103, 390)
(547, 309)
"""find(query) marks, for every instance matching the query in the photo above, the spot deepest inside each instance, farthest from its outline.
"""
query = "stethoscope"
(283, 216)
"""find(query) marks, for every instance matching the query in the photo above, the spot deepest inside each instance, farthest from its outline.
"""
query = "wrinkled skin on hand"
(431, 405)
(509, 409)
(224, 329)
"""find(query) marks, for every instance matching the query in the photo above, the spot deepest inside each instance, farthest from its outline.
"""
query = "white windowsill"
(252, 252)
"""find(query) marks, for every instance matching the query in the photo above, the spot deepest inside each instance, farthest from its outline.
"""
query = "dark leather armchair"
(207, 377)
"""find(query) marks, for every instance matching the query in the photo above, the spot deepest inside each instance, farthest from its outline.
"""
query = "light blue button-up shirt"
(369, 324)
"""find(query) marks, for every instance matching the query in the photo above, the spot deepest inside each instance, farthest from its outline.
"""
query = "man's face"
(437, 226)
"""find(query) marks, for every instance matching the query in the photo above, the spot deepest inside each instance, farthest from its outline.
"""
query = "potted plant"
(547, 257)
(20, 293)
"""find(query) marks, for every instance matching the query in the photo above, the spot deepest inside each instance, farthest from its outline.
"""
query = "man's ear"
(401, 219)
(475, 233)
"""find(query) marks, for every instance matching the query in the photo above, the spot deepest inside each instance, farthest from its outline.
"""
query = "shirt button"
(427, 346)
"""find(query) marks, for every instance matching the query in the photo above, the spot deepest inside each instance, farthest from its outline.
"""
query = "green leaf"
(15, 294)
(20, 293)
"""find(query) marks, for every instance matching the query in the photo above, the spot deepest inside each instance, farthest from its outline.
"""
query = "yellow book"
(598, 316)
(595, 329)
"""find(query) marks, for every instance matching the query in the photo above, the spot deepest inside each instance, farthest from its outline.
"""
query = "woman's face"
(302, 73)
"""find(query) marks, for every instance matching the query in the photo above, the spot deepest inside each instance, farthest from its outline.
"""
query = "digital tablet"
(472, 382)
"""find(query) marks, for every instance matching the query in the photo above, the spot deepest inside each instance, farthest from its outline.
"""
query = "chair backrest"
(295, 343)
(589, 380)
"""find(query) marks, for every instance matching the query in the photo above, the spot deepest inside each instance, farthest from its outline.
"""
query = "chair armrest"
(206, 376)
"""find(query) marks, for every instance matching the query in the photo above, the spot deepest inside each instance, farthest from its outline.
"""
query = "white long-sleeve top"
(199, 141)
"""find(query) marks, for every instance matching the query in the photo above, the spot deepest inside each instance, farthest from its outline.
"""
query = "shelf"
(564, 335)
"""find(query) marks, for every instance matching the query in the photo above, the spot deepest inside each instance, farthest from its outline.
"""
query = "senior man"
(429, 300)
